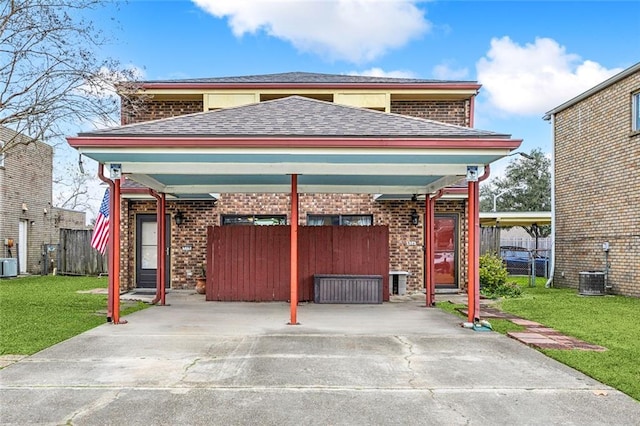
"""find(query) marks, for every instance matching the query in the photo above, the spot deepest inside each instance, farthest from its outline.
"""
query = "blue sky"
(530, 56)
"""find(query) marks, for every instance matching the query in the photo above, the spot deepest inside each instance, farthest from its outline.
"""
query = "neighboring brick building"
(26, 214)
(446, 103)
(597, 183)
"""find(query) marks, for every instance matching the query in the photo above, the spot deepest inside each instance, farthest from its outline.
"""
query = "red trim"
(455, 191)
(144, 191)
(292, 142)
(294, 251)
(329, 86)
(161, 243)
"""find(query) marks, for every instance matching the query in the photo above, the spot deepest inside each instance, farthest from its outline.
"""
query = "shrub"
(493, 278)
(493, 273)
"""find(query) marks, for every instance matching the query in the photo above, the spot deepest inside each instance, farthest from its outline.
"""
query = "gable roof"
(295, 117)
(616, 78)
(303, 77)
(307, 80)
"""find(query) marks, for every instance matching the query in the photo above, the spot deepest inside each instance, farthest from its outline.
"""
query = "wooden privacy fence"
(251, 263)
(490, 240)
(77, 257)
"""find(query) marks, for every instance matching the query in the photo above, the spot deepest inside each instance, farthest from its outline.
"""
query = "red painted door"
(446, 250)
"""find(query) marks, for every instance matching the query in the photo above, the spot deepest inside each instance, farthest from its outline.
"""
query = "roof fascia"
(292, 142)
(257, 86)
(610, 81)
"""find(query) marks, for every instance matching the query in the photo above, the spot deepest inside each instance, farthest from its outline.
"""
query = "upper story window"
(254, 219)
(635, 124)
(340, 219)
(1, 154)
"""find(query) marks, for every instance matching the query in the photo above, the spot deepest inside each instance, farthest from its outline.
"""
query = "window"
(1, 155)
(337, 219)
(635, 124)
(254, 219)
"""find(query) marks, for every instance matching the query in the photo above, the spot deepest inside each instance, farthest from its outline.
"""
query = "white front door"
(22, 246)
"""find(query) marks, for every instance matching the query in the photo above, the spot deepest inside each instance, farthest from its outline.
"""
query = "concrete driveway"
(197, 363)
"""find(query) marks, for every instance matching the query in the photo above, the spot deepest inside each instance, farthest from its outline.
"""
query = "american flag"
(101, 230)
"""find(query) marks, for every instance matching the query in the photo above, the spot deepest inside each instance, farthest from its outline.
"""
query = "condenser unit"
(8, 267)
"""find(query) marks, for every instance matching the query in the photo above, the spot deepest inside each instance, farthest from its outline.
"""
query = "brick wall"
(26, 179)
(188, 241)
(597, 169)
(406, 241)
(452, 112)
(156, 110)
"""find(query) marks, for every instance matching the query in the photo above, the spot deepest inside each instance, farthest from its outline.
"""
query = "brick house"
(26, 215)
(356, 125)
(597, 199)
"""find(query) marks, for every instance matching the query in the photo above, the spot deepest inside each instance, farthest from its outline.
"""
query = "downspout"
(110, 286)
(552, 268)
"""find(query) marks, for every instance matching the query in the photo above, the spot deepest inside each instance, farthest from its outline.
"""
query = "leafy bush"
(493, 278)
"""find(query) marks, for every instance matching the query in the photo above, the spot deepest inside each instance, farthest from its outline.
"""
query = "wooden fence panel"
(252, 263)
(77, 257)
(490, 240)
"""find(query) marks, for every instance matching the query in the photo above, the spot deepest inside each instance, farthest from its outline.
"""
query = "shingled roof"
(295, 116)
(305, 77)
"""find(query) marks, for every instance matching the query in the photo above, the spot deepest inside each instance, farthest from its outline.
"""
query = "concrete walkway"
(207, 363)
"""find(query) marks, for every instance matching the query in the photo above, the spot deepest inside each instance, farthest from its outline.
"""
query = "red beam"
(294, 251)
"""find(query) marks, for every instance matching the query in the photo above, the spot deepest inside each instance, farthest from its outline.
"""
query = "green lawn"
(609, 321)
(37, 312)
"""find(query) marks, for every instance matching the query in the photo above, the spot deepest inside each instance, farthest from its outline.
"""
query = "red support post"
(163, 251)
(473, 221)
(294, 250)
(115, 216)
(428, 256)
(110, 244)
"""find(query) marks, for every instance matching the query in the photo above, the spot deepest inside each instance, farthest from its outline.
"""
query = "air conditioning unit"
(8, 267)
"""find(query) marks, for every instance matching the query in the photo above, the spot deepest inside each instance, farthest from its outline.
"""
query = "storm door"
(446, 250)
(147, 250)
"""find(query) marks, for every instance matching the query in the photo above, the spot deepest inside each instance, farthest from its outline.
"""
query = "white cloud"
(445, 72)
(536, 77)
(352, 30)
(379, 72)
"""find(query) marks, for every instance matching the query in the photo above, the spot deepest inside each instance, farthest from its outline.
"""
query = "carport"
(296, 145)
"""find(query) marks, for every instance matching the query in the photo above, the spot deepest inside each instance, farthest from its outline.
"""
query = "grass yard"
(609, 321)
(38, 312)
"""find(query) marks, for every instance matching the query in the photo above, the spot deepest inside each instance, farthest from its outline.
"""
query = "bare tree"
(51, 78)
(74, 189)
